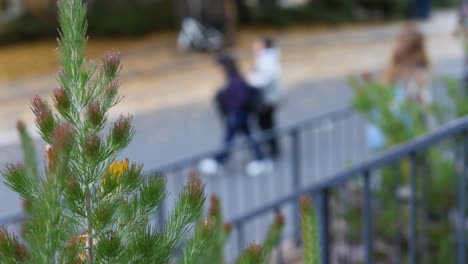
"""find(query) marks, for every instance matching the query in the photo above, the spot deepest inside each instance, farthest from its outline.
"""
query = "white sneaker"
(257, 168)
(209, 167)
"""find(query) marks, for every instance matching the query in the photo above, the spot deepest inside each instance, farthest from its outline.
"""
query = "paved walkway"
(155, 77)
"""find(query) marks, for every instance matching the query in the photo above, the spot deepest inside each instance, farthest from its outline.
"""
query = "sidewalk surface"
(170, 94)
(155, 76)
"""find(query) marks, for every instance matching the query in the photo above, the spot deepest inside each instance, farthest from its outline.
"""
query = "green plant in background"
(445, 3)
(136, 17)
(457, 96)
(331, 11)
(310, 234)
(377, 103)
(399, 120)
(86, 207)
(131, 17)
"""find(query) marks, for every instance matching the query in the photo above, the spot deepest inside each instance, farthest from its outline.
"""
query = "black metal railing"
(319, 154)
(312, 149)
(364, 172)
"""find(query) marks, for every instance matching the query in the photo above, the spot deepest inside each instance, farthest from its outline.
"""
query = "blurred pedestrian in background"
(408, 74)
(409, 69)
(233, 103)
(266, 78)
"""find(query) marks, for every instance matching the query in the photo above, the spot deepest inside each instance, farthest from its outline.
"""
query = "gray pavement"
(170, 134)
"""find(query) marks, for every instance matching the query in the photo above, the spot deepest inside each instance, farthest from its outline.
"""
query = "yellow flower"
(118, 168)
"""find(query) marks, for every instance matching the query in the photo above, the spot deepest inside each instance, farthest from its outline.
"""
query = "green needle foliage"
(273, 236)
(86, 207)
(309, 232)
(222, 231)
(253, 254)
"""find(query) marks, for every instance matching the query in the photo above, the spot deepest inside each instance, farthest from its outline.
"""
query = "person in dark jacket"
(233, 102)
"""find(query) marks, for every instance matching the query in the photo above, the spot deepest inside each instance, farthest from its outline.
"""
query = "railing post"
(398, 237)
(240, 237)
(296, 176)
(413, 213)
(462, 202)
(279, 255)
(367, 221)
(426, 186)
(323, 204)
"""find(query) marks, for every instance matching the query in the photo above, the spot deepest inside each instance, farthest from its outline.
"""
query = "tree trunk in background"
(230, 11)
(13, 9)
(189, 8)
(37, 7)
(180, 10)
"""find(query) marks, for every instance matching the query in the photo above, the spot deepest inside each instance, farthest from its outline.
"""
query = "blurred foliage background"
(136, 17)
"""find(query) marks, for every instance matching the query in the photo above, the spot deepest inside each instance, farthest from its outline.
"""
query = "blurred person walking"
(409, 69)
(233, 104)
(408, 74)
(266, 79)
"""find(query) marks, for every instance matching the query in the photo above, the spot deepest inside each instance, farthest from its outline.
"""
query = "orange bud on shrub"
(61, 99)
(111, 64)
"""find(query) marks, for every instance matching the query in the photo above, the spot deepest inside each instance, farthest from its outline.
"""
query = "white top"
(417, 86)
(267, 75)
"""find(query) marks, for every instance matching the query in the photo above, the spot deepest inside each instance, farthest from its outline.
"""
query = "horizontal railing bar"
(11, 218)
(384, 159)
(397, 153)
(265, 136)
(262, 137)
(265, 209)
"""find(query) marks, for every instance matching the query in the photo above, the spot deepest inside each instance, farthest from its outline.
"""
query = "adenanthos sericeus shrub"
(86, 207)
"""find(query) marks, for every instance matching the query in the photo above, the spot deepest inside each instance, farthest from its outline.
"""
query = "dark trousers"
(266, 122)
(237, 122)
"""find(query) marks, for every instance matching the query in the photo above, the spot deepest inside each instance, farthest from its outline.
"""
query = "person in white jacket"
(266, 76)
